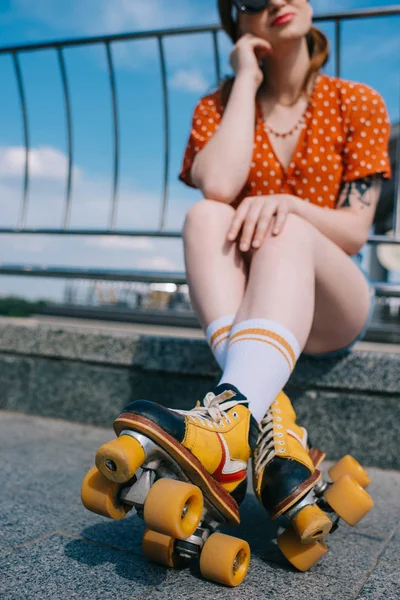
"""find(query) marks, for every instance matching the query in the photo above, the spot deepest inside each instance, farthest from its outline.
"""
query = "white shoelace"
(214, 408)
(266, 441)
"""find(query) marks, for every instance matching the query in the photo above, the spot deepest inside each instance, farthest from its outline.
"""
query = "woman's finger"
(249, 226)
(280, 221)
(238, 219)
(263, 224)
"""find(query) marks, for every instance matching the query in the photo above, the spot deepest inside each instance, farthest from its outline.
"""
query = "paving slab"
(52, 547)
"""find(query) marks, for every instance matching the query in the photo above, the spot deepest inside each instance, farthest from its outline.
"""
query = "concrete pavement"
(51, 547)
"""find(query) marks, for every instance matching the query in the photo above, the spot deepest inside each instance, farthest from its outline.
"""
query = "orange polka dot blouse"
(345, 137)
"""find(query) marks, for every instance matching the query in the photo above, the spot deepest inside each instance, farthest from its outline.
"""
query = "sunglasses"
(251, 7)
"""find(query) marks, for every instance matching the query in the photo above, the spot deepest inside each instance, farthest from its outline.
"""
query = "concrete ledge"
(350, 404)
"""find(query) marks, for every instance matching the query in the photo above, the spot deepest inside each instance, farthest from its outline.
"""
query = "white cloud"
(113, 16)
(102, 17)
(137, 209)
(189, 80)
(44, 162)
(116, 15)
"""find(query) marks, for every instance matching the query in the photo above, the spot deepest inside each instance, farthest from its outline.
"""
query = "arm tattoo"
(362, 192)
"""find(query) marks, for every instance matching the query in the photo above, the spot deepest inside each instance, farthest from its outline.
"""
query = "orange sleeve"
(366, 149)
(205, 121)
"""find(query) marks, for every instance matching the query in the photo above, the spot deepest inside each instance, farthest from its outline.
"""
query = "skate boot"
(185, 472)
(288, 484)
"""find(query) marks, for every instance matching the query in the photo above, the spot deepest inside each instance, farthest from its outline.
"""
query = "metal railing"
(108, 42)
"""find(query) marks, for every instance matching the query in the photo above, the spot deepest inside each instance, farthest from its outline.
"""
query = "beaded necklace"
(301, 123)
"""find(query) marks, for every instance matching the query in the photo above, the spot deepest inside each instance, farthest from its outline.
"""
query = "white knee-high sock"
(261, 356)
(217, 334)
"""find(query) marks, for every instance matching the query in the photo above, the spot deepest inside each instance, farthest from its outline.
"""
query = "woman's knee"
(296, 226)
(208, 215)
(295, 230)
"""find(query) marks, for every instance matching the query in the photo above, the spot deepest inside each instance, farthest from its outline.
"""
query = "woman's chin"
(288, 34)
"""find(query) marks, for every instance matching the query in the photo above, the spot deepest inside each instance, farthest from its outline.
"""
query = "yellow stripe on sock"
(219, 332)
(265, 342)
(221, 340)
(270, 334)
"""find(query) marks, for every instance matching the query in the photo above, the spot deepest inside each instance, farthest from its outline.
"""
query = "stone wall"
(351, 404)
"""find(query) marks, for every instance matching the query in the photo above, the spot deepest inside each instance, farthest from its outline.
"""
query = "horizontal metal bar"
(383, 290)
(383, 11)
(383, 239)
(101, 274)
(148, 276)
(374, 239)
(101, 39)
(98, 232)
(126, 315)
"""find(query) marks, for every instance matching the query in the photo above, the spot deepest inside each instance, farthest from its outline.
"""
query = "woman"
(290, 163)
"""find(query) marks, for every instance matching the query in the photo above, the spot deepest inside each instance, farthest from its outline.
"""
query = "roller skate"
(288, 483)
(185, 473)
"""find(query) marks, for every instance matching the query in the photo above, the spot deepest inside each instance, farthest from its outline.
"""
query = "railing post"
(67, 104)
(338, 42)
(24, 110)
(166, 132)
(114, 102)
(396, 209)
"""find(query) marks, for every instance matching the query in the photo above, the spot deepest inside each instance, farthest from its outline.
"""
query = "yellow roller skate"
(288, 484)
(185, 473)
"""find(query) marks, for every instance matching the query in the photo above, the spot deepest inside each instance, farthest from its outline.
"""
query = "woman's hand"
(256, 214)
(246, 54)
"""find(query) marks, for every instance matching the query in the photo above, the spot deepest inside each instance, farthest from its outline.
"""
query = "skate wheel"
(174, 508)
(311, 523)
(225, 559)
(348, 499)
(349, 466)
(101, 496)
(119, 459)
(160, 549)
(301, 556)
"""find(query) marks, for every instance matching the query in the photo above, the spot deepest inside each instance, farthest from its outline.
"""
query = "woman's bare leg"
(306, 282)
(282, 280)
(215, 268)
(273, 281)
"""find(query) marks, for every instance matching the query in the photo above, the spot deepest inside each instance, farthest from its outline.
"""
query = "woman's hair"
(317, 43)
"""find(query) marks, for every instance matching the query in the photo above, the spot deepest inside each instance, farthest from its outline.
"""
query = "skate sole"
(192, 467)
(317, 456)
(300, 491)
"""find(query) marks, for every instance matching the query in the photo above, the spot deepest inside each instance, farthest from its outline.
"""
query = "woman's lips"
(283, 19)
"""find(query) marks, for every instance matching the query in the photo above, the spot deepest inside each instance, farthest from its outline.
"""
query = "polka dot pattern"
(345, 137)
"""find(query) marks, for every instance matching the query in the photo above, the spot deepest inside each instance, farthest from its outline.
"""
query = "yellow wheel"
(101, 496)
(348, 499)
(225, 559)
(349, 466)
(174, 508)
(301, 556)
(311, 523)
(160, 549)
(119, 459)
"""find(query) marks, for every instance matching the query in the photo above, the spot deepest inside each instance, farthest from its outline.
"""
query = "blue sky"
(371, 50)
